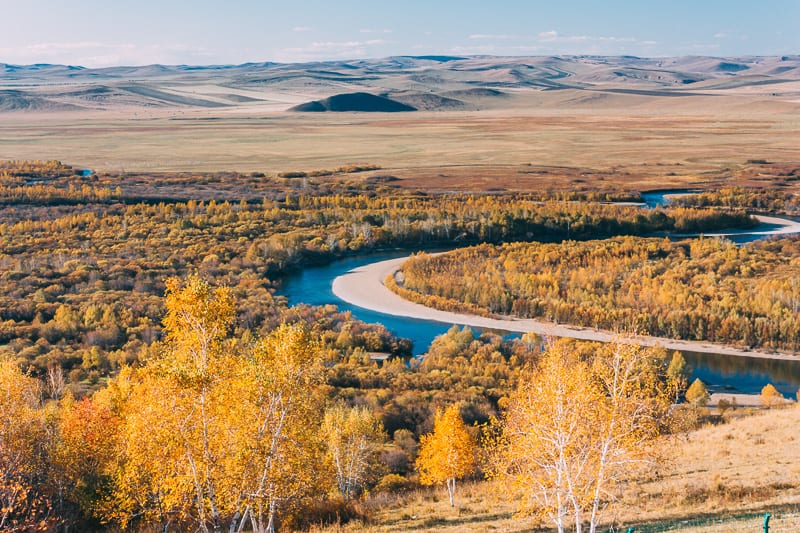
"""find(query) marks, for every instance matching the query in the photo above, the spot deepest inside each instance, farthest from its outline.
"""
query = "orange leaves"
(23, 432)
(448, 453)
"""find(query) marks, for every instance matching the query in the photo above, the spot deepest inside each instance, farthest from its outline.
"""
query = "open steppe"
(482, 123)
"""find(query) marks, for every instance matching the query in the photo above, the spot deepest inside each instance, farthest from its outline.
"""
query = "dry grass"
(540, 140)
(749, 464)
(479, 507)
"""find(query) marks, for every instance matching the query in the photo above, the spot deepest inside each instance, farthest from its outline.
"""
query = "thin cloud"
(368, 30)
(320, 50)
(551, 42)
(99, 54)
(492, 37)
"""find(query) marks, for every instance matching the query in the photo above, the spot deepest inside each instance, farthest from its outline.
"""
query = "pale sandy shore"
(364, 287)
(784, 227)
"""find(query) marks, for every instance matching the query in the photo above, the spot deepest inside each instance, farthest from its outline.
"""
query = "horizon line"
(409, 56)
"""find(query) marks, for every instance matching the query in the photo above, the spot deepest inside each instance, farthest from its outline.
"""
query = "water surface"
(720, 372)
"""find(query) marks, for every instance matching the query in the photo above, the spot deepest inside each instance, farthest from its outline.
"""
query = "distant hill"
(364, 102)
(393, 84)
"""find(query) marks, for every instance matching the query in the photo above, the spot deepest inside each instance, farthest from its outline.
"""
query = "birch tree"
(353, 436)
(278, 410)
(578, 425)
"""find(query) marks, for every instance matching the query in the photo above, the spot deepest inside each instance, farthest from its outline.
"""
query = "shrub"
(770, 397)
(325, 513)
(697, 393)
(393, 483)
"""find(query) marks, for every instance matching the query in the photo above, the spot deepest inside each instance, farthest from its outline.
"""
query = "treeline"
(702, 289)
(770, 200)
(221, 427)
(39, 194)
(34, 169)
(348, 169)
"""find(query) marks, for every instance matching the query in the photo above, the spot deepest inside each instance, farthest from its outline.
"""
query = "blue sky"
(136, 32)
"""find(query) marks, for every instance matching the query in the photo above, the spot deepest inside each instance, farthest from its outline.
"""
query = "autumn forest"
(152, 379)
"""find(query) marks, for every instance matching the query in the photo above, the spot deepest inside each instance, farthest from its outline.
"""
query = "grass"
(749, 464)
(536, 144)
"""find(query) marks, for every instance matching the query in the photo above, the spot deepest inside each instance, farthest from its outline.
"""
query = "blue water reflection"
(722, 373)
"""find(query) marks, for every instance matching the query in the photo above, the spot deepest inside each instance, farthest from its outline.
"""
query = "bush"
(325, 513)
(393, 483)
(770, 397)
(396, 460)
(697, 393)
(685, 418)
(290, 175)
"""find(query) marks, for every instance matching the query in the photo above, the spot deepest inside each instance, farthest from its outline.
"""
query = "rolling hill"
(427, 83)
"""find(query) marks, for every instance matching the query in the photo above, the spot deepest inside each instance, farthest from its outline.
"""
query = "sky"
(99, 33)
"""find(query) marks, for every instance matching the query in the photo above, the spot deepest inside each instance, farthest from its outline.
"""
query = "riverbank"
(783, 226)
(364, 287)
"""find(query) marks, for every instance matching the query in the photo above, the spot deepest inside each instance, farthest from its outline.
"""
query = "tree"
(25, 504)
(577, 425)
(85, 455)
(447, 454)
(216, 430)
(276, 405)
(353, 437)
(176, 429)
(770, 397)
(678, 373)
(697, 393)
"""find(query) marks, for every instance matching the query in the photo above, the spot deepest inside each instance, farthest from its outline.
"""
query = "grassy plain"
(534, 141)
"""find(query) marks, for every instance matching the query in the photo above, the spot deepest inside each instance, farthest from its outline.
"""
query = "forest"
(699, 289)
(84, 258)
(152, 380)
(219, 430)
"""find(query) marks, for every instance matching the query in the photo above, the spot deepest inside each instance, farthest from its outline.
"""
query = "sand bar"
(364, 287)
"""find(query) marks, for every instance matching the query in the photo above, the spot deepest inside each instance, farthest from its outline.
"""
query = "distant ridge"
(363, 102)
(396, 83)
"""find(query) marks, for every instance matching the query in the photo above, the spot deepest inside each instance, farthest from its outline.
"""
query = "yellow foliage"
(448, 453)
(577, 425)
(770, 397)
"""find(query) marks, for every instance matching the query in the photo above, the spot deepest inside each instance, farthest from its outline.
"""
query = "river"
(746, 375)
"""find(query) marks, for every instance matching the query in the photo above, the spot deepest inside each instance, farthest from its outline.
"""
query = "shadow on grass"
(457, 521)
(668, 524)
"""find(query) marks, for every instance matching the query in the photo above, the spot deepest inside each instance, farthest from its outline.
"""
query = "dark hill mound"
(354, 102)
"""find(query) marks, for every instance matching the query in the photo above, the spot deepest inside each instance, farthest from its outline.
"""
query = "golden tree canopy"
(448, 453)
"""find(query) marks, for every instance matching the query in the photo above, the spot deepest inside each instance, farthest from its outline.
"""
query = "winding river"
(722, 373)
